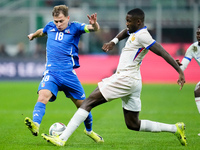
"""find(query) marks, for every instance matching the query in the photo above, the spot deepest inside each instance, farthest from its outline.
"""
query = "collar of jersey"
(145, 27)
(141, 29)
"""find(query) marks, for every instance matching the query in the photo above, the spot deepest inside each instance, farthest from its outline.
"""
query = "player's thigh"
(49, 84)
(197, 90)
(132, 101)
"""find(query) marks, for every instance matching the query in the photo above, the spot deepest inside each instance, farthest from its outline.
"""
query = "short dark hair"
(138, 13)
(199, 27)
(60, 9)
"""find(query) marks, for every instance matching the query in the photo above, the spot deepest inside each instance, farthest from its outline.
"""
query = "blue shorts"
(66, 81)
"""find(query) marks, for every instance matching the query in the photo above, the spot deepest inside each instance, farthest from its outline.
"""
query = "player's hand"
(178, 62)
(181, 80)
(92, 18)
(30, 37)
(108, 46)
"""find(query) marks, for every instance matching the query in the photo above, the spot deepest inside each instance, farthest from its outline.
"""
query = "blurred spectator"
(3, 51)
(180, 51)
(81, 47)
(40, 52)
(20, 50)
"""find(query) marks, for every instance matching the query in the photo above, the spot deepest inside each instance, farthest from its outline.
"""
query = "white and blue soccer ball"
(56, 129)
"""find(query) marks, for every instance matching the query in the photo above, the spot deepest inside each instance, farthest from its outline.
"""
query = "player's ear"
(139, 21)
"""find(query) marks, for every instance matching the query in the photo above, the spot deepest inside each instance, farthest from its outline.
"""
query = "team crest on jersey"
(67, 31)
(133, 38)
(194, 48)
(43, 84)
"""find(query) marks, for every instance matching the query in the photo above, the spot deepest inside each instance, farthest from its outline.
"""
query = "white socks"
(74, 123)
(151, 126)
(146, 125)
(197, 100)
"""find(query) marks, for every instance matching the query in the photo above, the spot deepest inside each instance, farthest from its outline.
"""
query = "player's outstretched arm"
(159, 50)
(38, 33)
(94, 26)
(109, 46)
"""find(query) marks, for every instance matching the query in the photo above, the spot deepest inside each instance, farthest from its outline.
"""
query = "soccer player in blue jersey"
(61, 60)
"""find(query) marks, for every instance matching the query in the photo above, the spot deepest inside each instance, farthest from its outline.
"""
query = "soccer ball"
(57, 128)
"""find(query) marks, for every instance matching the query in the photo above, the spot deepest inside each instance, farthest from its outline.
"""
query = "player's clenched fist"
(30, 36)
(108, 46)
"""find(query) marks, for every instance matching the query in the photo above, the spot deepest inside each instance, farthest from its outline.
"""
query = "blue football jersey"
(62, 46)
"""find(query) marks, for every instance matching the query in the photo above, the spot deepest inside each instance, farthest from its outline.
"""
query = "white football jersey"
(135, 49)
(192, 52)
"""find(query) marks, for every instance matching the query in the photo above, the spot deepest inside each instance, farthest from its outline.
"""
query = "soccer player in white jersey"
(61, 60)
(126, 83)
(193, 52)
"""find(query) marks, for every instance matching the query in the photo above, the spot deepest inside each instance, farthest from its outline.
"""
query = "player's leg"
(45, 90)
(88, 121)
(88, 124)
(197, 97)
(44, 96)
(95, 99)
(38, 112)
(82, 113)
(133, 123)
(131, 108)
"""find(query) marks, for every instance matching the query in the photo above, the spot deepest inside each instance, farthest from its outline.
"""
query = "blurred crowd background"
(172, 23)
(169, 21)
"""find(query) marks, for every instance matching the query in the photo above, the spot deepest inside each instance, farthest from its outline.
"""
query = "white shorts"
(125, 87)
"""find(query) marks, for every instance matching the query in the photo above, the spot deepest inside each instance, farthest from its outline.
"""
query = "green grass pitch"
(160, 102)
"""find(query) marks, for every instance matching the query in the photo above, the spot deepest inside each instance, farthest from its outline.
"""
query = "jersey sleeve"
(188, 57)
(81, 27)
(146, 40)
(184, 63)
(189, 52)
(45, 29)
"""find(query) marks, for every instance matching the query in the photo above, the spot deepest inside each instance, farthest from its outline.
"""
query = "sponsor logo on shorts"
(83, 96)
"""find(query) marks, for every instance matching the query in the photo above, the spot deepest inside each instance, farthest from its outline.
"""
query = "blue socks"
(38, 112)
(88, 122)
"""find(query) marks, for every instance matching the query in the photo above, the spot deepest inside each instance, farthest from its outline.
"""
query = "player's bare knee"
(197, 90)
(133, 125)
(44, 98)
